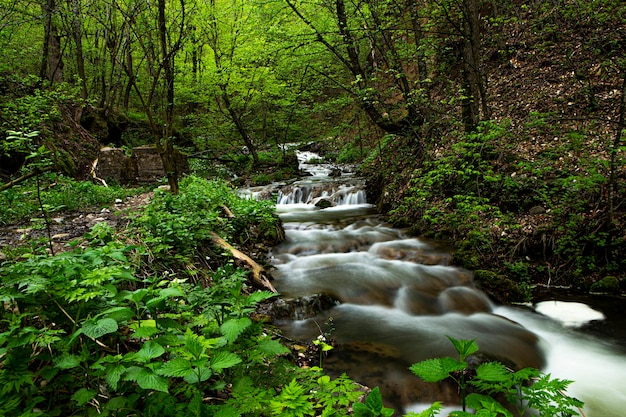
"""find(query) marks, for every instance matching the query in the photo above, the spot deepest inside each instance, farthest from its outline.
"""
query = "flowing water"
(398, 298)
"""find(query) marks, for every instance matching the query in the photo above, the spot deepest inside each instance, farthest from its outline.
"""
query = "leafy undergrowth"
(57, 194)
(153, 320)
(128, 320)
(531, 221)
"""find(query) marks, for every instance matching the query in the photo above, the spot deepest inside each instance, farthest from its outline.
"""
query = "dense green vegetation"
(497, 125)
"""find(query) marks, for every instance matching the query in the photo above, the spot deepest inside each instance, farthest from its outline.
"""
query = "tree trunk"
(475, 95)
(51, 63)
(418, 38)
(164, 143)
(77, 32)
(470, 65)
(615, 149)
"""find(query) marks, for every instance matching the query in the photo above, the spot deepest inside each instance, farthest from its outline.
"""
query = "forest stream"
(397, 298)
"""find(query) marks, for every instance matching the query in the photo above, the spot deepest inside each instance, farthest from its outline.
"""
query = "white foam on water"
(570, 314)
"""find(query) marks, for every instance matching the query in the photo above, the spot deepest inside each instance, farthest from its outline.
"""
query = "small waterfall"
(312, 192)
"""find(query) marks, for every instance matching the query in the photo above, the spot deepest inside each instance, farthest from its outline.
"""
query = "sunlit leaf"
(177, 367)
(231, 329)
(147, 379)
(222, 360)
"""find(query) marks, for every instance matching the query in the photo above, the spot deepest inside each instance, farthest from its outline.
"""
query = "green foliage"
(373, 406)
(382, 147)
(309, 393)
(608, 284)
(64, 314)
(451, 194)
(177, 224)
(96, 330)
(352, 153)
(58, 192)
(261, 179)
(36, 110)
(527, 390)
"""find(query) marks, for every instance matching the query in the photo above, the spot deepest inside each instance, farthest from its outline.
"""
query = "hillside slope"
(534, 195)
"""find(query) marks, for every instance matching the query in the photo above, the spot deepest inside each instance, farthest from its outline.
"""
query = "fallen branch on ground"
(258, 277)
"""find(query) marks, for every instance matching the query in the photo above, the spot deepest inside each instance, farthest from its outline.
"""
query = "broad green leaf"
(135, 296)
(194, 345)
(163, 295)
(437, 369)
(147, 379)
(258, 296)
(232, 328)
(171, 292)
(198, 375)
(486, 405)
(142, 323)
(83, 396)
(113, 375)
(361, 410)
(96, 329)
(272, 347)
(148, 351)
(145, 332)
(493, 372)
(223, 360)
(118, 314)
(374, 400)
(177, 367)
(67, 361)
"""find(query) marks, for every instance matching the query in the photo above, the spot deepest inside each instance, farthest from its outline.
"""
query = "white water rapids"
(399, 299)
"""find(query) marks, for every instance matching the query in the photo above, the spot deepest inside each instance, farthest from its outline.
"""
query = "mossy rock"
(467, 259)
(498, 287)
(608, 284)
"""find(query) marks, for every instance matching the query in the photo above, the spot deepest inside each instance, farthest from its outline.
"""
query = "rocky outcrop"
(143, 165)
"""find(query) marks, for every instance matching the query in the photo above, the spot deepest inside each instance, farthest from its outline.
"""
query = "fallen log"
(24, 177)
(258, 272)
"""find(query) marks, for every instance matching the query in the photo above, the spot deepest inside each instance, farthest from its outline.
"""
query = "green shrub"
(177, 224)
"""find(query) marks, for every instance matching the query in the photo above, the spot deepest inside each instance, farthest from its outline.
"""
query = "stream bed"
(398, 297)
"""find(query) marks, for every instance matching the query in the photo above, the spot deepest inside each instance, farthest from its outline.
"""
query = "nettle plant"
(80, 331)
(527, 390)
(176, 225)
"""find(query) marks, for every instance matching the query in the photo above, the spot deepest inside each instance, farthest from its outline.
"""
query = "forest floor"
(68, 226)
